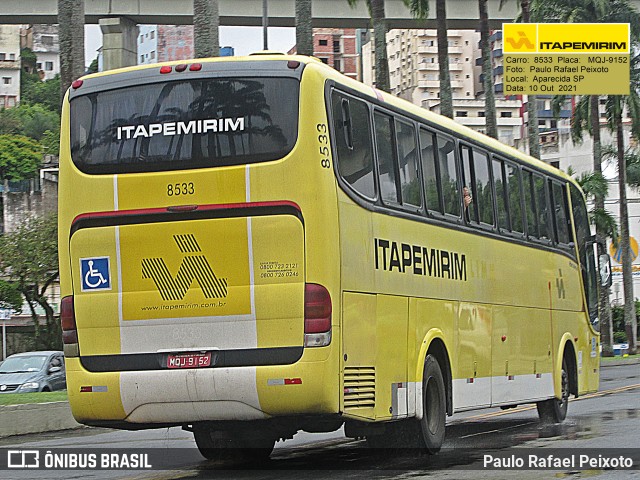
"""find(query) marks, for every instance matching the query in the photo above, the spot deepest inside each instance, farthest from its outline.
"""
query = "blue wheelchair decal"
(95, 274)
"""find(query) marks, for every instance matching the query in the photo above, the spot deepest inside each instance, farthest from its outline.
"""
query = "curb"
(36, 418)
(618, 362)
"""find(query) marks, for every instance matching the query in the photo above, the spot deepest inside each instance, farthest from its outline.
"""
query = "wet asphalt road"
(609, 419)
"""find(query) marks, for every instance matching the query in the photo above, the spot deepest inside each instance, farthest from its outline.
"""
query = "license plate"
(189, 360)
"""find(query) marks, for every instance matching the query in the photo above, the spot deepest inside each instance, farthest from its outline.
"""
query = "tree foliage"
(20, 157)
(45, 93)
(29, 261)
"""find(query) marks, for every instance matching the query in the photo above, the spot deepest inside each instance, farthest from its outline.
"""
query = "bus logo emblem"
(194, 266)
(95, 274)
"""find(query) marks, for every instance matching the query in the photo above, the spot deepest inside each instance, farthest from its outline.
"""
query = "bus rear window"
(184, 124)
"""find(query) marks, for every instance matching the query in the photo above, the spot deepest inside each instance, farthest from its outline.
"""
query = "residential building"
(43, 41)
(164, 43)
(9, 65)
(337, 47)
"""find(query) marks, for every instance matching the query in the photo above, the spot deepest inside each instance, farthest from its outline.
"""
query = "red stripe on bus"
(199, 208)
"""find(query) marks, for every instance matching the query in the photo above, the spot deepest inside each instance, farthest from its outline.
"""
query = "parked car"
(33, 372)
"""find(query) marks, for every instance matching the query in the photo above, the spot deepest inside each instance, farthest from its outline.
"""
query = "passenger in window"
(467, 198)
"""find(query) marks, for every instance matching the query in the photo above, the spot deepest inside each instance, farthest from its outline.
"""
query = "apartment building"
(9, 65)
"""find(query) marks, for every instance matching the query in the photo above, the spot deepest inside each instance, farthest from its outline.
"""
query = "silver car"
(33, 372)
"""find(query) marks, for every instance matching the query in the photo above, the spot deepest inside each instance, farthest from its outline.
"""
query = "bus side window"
(514, 197)
(502, 205)
(542, 204)
(433, 193)
(468, 181)
(386, 159)
(451, 194)
(352, 136)
(407, 153)
(475, 175)
(560, 210)
(529, 204)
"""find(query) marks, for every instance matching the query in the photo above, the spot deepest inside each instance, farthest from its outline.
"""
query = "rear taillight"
(317, 316)
(68, 322)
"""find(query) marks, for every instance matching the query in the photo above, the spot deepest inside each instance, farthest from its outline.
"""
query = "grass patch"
(617, 358)
(38, 397)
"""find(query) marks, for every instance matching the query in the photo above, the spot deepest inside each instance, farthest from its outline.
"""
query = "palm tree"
(304, 28)
(206, 23)
(71, 37)
(420, 10)
(379, 21)
(487, 71)
(533, 134)
(586, 117)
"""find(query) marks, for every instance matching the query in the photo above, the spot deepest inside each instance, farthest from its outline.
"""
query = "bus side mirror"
(604, 262)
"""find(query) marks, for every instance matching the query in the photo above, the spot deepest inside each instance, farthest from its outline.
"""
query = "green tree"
(206, 23)
(304, 27)
(420, 10)
(379, 24)
(487, 71)
(93, 66)
(29, 261)
(20, 157)
(45, 93)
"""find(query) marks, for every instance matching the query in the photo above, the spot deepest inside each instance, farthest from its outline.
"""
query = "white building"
(9, 65)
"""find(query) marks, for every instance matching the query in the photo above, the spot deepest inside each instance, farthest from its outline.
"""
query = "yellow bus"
(254, 246)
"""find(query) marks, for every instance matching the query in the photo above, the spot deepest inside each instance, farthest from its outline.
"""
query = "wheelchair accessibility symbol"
(95, 274)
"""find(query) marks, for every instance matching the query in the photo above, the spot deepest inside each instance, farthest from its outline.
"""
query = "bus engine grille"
(359, 387)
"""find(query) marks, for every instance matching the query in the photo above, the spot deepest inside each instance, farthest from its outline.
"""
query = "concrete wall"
(35, 418)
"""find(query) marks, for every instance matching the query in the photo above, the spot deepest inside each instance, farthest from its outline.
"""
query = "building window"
(12, 57)
(468, 94)
(324, 60)
(506, 114)
(6, 80)
(481, 114)
(39, 65)
(153, 54)
(554, 124)
(3, 57)
(47, 40)
(555, 164)
(337, 65)
(336, 46)
(152, 34)
(48, 66)
(461, 113)
(542, 123)
(141, 38)
(141, 58)
(323, 43)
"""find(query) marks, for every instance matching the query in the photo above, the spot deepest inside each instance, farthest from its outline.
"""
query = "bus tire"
(232, 449)
(555, 410)
(434, 406)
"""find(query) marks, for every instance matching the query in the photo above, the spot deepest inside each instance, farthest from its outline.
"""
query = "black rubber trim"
(252, 357)
(136, 218)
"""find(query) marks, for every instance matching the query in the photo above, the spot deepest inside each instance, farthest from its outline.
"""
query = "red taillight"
(165, 69)
(181, 68)
(195, 67)
(317, 309)
(77, 84)
(68, 321)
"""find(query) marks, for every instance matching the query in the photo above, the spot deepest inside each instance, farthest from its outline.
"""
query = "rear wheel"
(434, 405)
(555, 410)
(228, 447)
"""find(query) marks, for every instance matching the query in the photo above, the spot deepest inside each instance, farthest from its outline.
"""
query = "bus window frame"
(522, 236)
(479, 224)
(407, 206)
(563, 187)
(334, 148)
(436, 167)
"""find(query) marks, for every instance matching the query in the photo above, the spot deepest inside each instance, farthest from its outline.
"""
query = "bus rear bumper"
(175, 397)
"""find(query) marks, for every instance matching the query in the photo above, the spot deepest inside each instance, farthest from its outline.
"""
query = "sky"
(244, 40)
